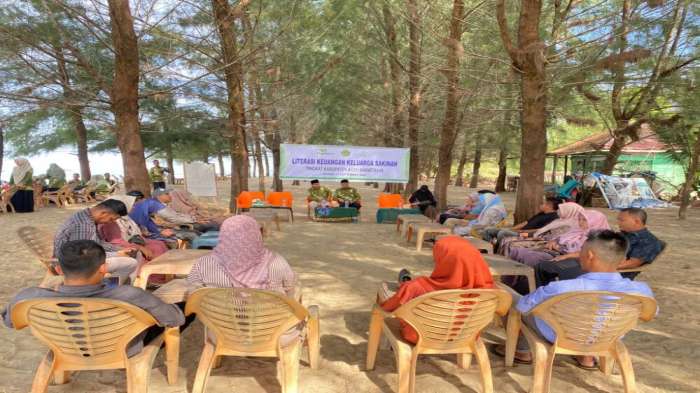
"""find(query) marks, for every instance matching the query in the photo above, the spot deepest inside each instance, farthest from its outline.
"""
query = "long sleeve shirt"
(142, 211)
(168, 315)
(612, 282)
(80, 226)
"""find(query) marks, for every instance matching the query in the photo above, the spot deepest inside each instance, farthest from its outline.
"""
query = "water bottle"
(346, 204)
(355, 219)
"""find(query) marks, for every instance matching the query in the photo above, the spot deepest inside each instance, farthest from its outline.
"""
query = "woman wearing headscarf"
(565, 245)
(458, 265)
(23, 185)
(241, 260)
(492, 213)
(183, 203)
(126, 233)
(425, 201)
(56, 177)
(470, 210)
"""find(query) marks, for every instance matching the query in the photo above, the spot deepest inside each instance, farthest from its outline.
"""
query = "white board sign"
(200, 179)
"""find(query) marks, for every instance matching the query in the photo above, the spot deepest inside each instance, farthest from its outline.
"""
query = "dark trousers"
(445, 216)
(158, 184)
(356, 205)
(548, 271)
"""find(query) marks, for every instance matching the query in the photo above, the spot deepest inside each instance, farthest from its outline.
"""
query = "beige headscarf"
(20, 171)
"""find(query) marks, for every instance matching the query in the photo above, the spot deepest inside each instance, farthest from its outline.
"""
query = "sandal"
(500, 350)
(584, 367)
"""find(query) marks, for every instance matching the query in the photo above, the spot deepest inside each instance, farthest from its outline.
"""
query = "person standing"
(157, 174)
(347, 196)
(23, 183)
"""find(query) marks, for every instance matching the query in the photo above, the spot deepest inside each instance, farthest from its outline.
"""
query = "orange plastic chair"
(244, 200)
(390, 201)
(283, 198)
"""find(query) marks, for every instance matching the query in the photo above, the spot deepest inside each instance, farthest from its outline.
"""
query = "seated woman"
(546, 215)
(492, 214)
(425, 201)
(458, 265)
(55, 178)
(126, 233)
(241, 260)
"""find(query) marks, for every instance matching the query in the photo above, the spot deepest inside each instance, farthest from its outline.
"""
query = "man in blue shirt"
(600, 258)
(643, 248)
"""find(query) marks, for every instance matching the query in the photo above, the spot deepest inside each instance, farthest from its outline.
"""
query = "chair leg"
(289, 362)
(61, 377)
(482, 358)
(464, 360)
(409, 232)
(204, 368)
(623, 358)
(43, 374)
(375, 334)
(419, 240)
(172, 354)
(549, 364)
(403, 364)
(512, 333)
(217, 362)
(606, 364)
(313, 337)
(412, 375)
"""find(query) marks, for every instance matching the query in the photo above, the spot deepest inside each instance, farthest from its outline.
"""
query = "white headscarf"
(20, 171)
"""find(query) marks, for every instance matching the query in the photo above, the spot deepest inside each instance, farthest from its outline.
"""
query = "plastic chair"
(282, 198)
(244, 200)
(586, 323)
(447, 322)
(388, 201)
(40, 243)
(6, 205)
(249, 322)
(93, 334)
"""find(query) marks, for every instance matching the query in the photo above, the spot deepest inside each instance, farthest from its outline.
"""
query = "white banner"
(306, 162)
(200, 179)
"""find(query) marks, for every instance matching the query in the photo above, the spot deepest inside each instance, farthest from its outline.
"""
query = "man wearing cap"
(318, 194)
(347, 196)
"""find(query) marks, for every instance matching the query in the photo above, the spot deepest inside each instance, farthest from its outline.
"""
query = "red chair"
(283, 198)
(390, 201)
(245, 199)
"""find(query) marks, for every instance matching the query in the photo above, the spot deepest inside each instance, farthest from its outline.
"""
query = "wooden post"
(566, 165)
(555, 159)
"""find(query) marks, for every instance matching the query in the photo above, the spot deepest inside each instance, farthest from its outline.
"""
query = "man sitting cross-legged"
(600, 257)
(83, 226)
(644, 247)
(318, 194)
(82, 263)
(347, 196)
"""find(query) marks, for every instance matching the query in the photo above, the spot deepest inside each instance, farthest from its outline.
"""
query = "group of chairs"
(67, 195)
(246, 199)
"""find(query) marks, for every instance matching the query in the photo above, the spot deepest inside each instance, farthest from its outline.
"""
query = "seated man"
(601, 256)
(75, 183)
(83, 226)
(82, 263)
(644, 247)
(143, 211)
(347, 196)
(547, 214)
(318, 194)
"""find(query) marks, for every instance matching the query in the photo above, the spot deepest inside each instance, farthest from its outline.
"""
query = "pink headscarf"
(242, 254)
(182, 202)
(573, 240)
(569, 214)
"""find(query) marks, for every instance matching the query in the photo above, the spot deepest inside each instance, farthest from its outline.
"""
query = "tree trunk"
(254, 105)
(276, 159)
(125, 97)
(690, 179)
(613, 154)
(394, 135)
(170, 162)
(414, 87)
(502, 170)
(81, 142)
(459, 181)
(267, 162)
(529, 59)
(220, 157)
(449, 125)
(474, 182)
(224, 18)
(2, 146)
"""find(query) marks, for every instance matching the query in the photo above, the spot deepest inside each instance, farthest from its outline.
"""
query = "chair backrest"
(450, 319)
(245, 198)
(245, 320)
(39, 241)
(281, 198)
(592, 321)
(390, 200)
(83, 333)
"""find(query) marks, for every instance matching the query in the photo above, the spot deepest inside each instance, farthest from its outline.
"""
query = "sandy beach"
(340, 266)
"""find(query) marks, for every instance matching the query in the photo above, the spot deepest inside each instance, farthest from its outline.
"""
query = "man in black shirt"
(547, 214)
(644, 247)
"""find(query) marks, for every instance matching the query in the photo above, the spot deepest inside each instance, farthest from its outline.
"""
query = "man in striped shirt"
(83, 226)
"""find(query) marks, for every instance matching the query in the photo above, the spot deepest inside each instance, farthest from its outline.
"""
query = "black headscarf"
(423, 194)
